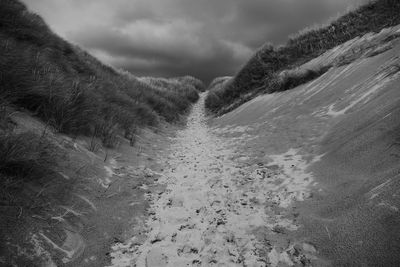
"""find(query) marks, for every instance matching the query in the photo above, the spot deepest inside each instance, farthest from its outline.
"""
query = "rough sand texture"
(213, 207)
(350, 115)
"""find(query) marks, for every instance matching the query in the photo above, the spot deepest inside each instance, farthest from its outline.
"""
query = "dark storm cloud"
(203, 38)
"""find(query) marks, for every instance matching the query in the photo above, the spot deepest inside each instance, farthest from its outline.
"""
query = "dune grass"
(25, 157)
(261, 74)
(26, 154)
(289, 79)
(214, 97)
(74, 92)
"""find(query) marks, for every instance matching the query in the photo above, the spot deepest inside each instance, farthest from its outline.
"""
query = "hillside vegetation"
(61, 94)
(215, 92)
(263, 72)
(71, 90)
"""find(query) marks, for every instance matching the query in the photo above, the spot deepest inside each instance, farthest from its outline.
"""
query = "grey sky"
(203, 38)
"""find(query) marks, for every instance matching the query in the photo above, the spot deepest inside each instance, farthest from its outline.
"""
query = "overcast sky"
(203, 38)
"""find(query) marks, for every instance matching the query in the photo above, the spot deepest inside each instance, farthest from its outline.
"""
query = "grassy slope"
(68, 88)
(216, 92)
(71, 93)
(261, 73)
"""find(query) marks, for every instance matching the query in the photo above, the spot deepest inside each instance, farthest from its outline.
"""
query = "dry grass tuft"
(292, 78)
(26, 155)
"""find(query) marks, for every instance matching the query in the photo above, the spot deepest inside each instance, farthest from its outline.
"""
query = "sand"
(213, 206)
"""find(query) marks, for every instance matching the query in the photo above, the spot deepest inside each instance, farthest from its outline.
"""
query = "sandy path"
(212, 208)
(197, 219)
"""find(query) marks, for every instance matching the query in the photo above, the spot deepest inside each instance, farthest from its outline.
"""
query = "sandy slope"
(307, 177)
(350, 118)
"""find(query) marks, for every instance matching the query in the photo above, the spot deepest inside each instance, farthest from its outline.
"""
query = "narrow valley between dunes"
(304, 177)
(218, 210)
(289, 159)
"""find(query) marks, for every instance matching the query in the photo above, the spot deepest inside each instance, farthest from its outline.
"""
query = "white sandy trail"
(210, 209)
(195, 221)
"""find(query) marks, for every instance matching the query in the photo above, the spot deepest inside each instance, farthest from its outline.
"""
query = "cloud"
(203, 38)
